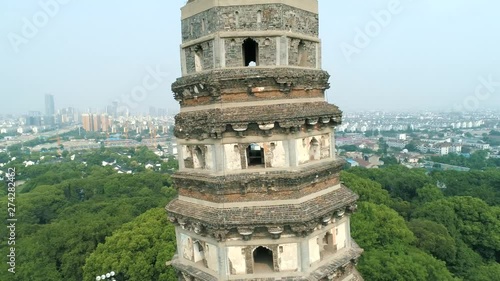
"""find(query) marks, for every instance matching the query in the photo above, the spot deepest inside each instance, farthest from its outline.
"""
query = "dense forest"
(416, 225)
(78, 219)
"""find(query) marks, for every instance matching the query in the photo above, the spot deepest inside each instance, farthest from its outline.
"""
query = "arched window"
(327, 245)
(255, 155)
(198, 58)
(203, 25)
(199, 253)
(302, 57)
(263, 261)
(259, 16)
(314, 150)
(199, 161)
(250, 52)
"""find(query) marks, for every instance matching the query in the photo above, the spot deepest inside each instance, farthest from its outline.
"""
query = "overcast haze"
(429, 55)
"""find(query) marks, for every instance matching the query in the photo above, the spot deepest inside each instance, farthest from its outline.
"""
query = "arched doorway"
(263, 261)
(250, 52)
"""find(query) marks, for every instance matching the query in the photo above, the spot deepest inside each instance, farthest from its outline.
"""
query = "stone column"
(219, 157)
(305, 263)
(292, 151)
(283, 55)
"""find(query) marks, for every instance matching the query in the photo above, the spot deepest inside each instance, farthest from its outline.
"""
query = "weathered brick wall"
(199, 25)
(301, 53)
(208, 56)
(266, 54)
(269, 17)
(234, 52)
(246, 18)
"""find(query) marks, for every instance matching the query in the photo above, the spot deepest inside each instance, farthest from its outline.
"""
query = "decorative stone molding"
(294, 184)
(210, 84)
(279, 118)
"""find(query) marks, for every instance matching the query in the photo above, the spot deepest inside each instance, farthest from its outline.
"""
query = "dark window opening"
(263, 260)
(255, 155)
(250, 52)
(198, 246)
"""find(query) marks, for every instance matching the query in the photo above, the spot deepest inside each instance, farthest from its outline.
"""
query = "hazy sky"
(427, 54)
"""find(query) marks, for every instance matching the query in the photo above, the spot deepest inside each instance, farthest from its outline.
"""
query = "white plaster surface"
(211, 254)
(237, 260)
(209, 157)
(278, 153)
(341, 236)
(232, 157)
(187, 247)
(287, 256)
(314, 250)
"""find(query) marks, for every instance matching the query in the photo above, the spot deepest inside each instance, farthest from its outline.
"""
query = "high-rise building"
(67, 115)
(96, 122)
(260, 196)
(105, 123)
(87, 122)
(34, 118)
(49, 118)
(49, 105)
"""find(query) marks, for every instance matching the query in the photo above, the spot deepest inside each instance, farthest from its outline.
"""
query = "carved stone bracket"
(219, 234)
(246, 232)
(304, 229)
(275, 231)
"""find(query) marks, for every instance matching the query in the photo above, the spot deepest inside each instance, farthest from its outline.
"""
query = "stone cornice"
(261, 120)
(214, 83)
(194, 7)
(290, 183)
(300, 219)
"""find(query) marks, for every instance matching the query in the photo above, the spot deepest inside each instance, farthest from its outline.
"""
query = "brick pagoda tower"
(259, 190)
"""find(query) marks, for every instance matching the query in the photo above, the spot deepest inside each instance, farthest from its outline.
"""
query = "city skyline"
(443, 63)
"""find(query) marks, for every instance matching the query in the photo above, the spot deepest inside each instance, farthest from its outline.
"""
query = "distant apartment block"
(96, 122)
